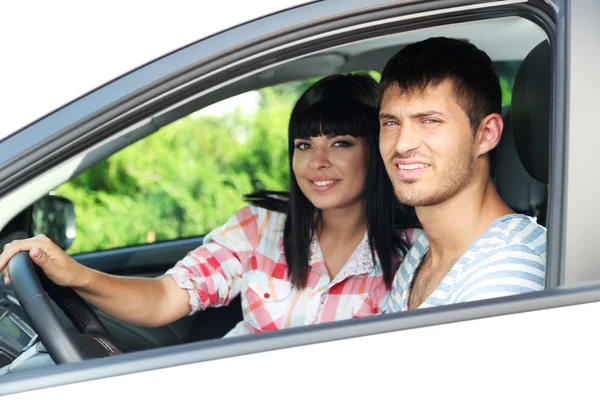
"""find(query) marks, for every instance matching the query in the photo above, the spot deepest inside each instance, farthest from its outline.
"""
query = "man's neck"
(452, 226)
(455, 224)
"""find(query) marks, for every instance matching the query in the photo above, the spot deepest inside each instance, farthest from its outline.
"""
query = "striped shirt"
(508, 258)
(245, 257)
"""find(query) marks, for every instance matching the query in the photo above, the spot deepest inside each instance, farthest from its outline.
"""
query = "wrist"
(84, 279)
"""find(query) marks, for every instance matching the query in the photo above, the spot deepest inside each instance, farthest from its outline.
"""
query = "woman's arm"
(141, 301)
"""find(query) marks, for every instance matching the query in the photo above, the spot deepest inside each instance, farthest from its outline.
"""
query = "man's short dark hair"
(429, 62)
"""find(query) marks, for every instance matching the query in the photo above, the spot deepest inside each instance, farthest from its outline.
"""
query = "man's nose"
(407, 139)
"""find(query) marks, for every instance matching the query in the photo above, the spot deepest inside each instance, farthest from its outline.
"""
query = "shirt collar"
(359, 263)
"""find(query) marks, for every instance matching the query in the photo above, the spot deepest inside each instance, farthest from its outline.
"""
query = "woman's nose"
(320, 159)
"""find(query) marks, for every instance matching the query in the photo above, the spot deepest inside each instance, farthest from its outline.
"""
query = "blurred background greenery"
(190, 176)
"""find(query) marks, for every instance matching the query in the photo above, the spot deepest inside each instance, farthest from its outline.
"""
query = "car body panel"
(581, 103)
(493, 358)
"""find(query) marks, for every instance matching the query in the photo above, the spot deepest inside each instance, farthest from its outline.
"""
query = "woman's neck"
(342, 224)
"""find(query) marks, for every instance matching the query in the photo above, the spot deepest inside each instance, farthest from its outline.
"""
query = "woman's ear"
(489, 133)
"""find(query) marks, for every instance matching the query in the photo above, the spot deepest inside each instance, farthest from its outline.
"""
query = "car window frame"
(197, 352)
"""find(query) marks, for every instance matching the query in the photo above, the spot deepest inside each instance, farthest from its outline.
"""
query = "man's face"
(427, 144)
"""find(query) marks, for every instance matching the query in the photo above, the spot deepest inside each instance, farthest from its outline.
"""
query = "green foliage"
(185, 179)
(375, 75)
(506, 92)
(507, 70)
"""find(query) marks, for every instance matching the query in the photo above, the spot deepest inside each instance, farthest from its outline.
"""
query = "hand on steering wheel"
(56, 264)
(32, 288)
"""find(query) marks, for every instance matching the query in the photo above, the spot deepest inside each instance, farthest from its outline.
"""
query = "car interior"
(521, 175)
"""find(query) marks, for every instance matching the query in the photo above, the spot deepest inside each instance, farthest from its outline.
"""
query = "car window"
(507, 71)
(188, 177)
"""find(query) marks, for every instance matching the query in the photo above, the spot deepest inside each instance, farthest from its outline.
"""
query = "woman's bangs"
(334, 118)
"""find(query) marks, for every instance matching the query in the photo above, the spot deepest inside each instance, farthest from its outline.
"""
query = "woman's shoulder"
(263, 216)
(269, 199)
(269, 207)
(260, 221)
(248, 227)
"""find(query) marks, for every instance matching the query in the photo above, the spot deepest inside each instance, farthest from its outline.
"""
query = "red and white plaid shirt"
(246, 257)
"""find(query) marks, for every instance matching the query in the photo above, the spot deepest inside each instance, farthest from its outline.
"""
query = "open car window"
(187, 177)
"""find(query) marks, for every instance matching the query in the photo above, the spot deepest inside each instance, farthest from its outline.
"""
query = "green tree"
(187, 178)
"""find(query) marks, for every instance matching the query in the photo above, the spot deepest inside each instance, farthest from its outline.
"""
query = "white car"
(91, 85)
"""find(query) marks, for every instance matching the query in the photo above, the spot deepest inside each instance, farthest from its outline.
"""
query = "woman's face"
(331, 171)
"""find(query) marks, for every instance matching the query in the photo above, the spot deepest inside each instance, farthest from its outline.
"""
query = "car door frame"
(109, 118)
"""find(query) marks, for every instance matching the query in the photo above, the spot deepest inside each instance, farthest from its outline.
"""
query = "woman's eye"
(302, 146)
(342, 143)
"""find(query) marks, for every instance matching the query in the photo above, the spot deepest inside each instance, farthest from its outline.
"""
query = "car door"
(494, 349)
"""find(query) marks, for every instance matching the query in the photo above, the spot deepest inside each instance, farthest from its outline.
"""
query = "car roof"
(61, 50)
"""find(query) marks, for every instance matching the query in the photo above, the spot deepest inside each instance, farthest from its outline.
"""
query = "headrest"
(518, 189)
(531, 105)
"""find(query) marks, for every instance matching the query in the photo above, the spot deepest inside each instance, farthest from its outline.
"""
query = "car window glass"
(507, 71)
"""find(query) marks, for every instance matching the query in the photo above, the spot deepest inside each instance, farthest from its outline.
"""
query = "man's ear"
(489, 133)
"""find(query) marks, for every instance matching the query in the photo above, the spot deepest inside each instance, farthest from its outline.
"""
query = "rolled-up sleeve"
(212, 272)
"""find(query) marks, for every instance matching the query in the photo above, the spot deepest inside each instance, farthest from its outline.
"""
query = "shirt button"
(267, 295)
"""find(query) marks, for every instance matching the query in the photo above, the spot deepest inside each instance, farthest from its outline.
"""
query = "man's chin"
(402, 197)
(406, 190)
(411, 198)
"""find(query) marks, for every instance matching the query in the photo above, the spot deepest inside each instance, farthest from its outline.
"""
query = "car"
(57, 148)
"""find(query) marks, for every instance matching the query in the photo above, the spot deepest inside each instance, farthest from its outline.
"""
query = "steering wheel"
(32, 288)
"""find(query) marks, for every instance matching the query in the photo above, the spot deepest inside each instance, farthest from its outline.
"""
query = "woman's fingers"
(38, 248)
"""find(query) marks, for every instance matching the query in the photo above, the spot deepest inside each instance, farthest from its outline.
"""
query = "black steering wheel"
(32, 287)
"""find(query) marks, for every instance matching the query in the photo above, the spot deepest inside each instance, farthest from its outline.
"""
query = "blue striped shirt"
(508, 258)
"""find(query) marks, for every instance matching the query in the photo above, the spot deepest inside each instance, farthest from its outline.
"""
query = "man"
(439, 120)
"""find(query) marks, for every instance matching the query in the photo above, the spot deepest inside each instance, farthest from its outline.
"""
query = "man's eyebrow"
(387, 116)
(428, 113)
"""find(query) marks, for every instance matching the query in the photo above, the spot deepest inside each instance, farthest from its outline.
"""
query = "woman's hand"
(136, 300)
(55, 263)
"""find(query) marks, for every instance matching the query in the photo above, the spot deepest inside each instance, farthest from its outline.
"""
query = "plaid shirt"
(246, 257)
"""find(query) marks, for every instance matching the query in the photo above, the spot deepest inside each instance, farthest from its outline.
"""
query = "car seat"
(522, 155)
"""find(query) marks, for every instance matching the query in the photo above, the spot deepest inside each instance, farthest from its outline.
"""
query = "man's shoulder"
(513, 242)
(514, 231)
(510, 258)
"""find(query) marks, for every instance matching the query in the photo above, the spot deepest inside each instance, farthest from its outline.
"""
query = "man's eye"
(431, 121)
(302, 146)
(389, 123)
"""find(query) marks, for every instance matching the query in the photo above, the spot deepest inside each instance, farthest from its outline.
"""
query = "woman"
(326, 251)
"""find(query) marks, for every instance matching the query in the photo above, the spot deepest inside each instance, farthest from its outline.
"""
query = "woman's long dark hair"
(339, 105)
